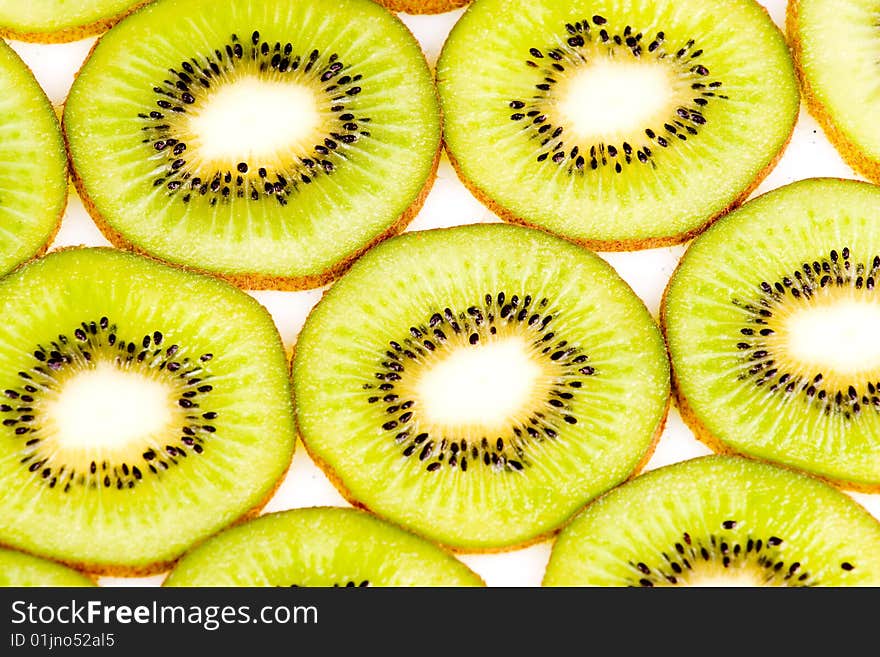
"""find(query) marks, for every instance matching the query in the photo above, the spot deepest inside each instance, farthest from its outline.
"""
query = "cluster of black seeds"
(252, 180)
(555, 60)
(350, 584)
(87, 343)
(730, 551)
(764, 367)
(445, 329)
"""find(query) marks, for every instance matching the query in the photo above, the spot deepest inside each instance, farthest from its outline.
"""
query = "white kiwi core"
(611, 100)
(248, 119)
(108, 409)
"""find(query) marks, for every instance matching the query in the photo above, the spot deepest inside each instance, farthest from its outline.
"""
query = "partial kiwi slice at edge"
(771, 319)
(836, 47)
(618, 124)
(254, 141)
(33, 164)
(719, 521)
(478, 384)
(319, 546)
(58, 21)
(22, 569)
(142, 409)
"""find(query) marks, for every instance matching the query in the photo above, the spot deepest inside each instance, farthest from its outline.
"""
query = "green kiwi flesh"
(719, 521)
(55, 21)
(22, 569)
(33, 164)
(142, 409)
(617, 124)
(771, 320)
(319, 546)
(255, 140)
(478, 384)
(836, 47)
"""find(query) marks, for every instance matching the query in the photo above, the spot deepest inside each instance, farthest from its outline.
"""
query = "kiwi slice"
(33, 164)
(836, 47)
(22, 569)
(771, 319)
(254, 140)
(142, 409)
(618, 124)
(58, 21)
(319, 546)
(479, 383)
(719, 521)
(423, 6)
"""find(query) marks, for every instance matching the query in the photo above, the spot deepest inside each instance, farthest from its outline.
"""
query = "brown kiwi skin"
(254, 280)
(340, 487)
(702, 433)
(73, 33)
(851, 153)
(422, 6)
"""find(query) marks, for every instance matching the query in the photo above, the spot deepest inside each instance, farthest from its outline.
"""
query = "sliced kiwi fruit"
(33, 164)
(618, 124)
(142, 409)
(423, 6)
(58, 21)
(319, 546)
(719, 521)
(478, 384)
(22, 569)
(254, 140)
(836, 47)
(772, 319)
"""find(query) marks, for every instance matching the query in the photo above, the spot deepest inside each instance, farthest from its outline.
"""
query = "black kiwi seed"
(65, 356)
(505, 452)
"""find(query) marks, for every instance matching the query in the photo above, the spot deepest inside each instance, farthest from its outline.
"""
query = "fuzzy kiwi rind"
(305, 547)
(726, 440)
(418, 7)
(719, 516)
(517, 207)
(151, 560)
(382, 450)
(69, 33)
(849, 149)
(324, 267)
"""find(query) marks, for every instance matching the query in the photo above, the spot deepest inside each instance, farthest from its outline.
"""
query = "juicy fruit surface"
(770, 321)
(617, 124)
(319, 546)
(175, 155)
(479, 400)
(33, 164)
(719, 519)
(837, 46)
(20, 569)
(44, 19)
(137, 419)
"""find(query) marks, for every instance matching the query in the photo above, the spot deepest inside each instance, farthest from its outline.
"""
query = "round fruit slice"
(719, 521)
(21, 569)
(143, 408)
(254, 140)
(319, 546)
(56, 21)
(772, 320)
(836, 47)
(618, 124)
(33, 164)
(479, 384)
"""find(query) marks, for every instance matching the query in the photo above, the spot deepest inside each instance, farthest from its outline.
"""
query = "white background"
(809, 154)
